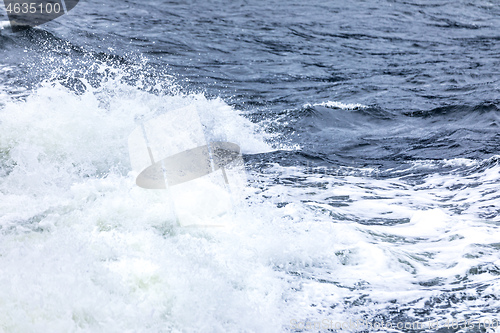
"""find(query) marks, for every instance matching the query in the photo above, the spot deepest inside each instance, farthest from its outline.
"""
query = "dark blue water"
(428, 71)
(402, 91)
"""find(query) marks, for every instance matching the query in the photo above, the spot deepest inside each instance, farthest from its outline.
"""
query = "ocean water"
(370, 132)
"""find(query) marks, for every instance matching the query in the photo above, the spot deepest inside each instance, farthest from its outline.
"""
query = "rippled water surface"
(370, 134)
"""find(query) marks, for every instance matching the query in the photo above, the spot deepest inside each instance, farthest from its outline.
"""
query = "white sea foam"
(84, 249)
(339, 105)
(439, 236)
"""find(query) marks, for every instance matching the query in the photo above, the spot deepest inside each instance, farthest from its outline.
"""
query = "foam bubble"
(339, 105)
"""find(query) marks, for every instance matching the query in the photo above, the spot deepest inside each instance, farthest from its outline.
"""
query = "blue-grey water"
(370, 134)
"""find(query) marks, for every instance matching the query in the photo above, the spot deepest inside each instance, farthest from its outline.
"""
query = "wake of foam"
(400, 247)
(83, 248)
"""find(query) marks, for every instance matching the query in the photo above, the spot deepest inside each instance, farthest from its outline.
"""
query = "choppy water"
(370, 133)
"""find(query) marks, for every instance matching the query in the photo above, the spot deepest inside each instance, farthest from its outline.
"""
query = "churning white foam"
(82, 248)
